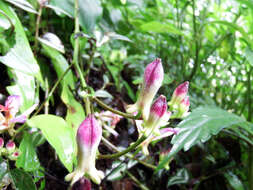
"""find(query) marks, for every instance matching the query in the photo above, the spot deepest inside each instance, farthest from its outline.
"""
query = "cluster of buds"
(8, 113)
(180, 102)
(88, 137)
(10, 150)
(155, 116)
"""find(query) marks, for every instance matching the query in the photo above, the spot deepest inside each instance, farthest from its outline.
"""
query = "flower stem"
(126, 115)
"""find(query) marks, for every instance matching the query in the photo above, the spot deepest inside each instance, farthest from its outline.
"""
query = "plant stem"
(143, 187)
(76, 57)
(53, 89)
(37, 27)
(127, 155)
(126, 115)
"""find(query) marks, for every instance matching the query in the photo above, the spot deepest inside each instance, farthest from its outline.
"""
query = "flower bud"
(82, 184)
(162, 155)
(179, 94)
(10, 146)
(153, 78)
(184, 107)
(1, 142)
(158, 112)
(88, 138)
(14, 155)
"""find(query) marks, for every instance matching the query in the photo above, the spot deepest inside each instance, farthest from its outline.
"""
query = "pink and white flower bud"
(10, 146)
(184, 107)
(153, 78)
(158, 113)
(1, 142)
(88, 138)
(82, 184)
(179, 94)
(14, 155)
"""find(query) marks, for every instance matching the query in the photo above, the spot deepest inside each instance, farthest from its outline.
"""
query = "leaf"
(52, 41)
(22, 180)
(75, 112)
(103, 94)
(130, 92)
(15, 57)
(28, 159)
(199, 126)
(90, 11)
(234, 181)
(24, 87)
(58, 134)
(23, 4)
(157, 27)
(3, 168)
(181, 177)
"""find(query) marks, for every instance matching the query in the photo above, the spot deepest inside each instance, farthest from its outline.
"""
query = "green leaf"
(28, 159)
(23, 4)
(158, 27)
(3, 168)
(181, 177)
(75, 112)
(233, 181)
(22, 180)
(199, 126)
(15, 57)
(58, 134)
(90, 11)
(249, 55)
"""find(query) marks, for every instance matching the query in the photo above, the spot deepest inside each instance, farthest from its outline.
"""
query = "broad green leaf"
(199, 126)
(90, 11)
(24, 87)
(23, 4)
(181, 177)
(15, 57)
(28, 159)
(75, 112)
(58, 134)
(22, 180)
(234, 181)
(158, 27)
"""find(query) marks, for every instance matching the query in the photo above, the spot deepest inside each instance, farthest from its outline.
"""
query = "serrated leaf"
(199, 126)
(28, 159)
(22, 180)
(59, 136)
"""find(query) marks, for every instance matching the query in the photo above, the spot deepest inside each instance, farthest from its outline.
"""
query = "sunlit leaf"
(58, 134)
(23, 4)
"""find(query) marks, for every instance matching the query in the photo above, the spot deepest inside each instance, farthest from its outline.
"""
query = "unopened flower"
(88, 138)
(14, 155)
(158, 118)
(82, 184)
(179, 94)
(10, 146)
(184, 107)
(162, 155)
(152, 81)
(8, 113)
(1, 142)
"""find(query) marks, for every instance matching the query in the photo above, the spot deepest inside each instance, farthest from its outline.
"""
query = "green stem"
(110, 145)
(37, 27)
(126, 115)
(143, 187)
(53, 89)
(129, 149)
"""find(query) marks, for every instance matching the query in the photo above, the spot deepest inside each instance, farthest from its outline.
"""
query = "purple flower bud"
(10, 146)
(1, 142)
(82, 184)
(14, 155)
(88, 138)
(153, 78)
(180, 93)
(157, 112)
(184, 107)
